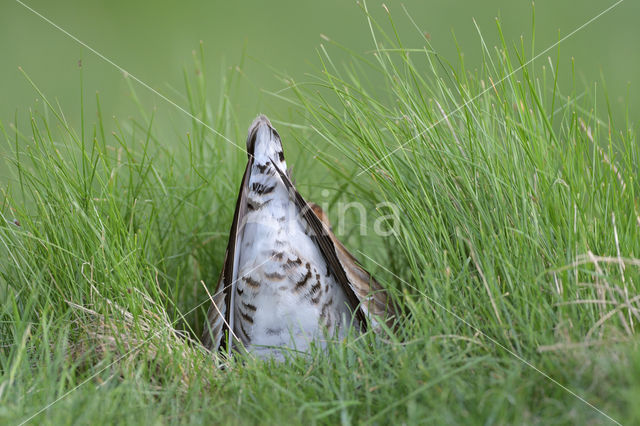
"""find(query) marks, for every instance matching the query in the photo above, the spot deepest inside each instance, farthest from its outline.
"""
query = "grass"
(518, 240)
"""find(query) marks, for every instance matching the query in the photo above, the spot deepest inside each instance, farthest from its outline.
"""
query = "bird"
(286, 282)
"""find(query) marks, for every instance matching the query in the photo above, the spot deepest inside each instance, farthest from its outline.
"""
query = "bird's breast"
(285, 293)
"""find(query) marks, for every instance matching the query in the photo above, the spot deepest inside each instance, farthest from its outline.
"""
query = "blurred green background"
(155, 40)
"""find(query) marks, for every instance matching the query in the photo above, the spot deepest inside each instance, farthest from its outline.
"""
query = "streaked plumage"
(286, 279)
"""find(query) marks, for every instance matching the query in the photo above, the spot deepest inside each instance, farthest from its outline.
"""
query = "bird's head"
(263, 142)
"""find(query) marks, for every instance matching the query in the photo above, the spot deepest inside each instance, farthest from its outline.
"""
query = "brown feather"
(376, 299)
(212, 335)
(362, 290)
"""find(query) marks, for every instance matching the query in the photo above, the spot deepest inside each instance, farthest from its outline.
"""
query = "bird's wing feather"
(373, 298)
(364, 293)
(220, 314)
(214, 325)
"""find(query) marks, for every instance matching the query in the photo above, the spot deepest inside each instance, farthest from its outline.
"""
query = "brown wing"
(374, 299)
(363, 292)
(220, 314)
(214, 325)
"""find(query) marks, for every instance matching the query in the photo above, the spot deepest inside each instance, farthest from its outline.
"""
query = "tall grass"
(518, 239)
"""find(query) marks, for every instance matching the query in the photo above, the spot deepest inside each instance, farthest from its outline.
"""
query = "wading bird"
(286, 280)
